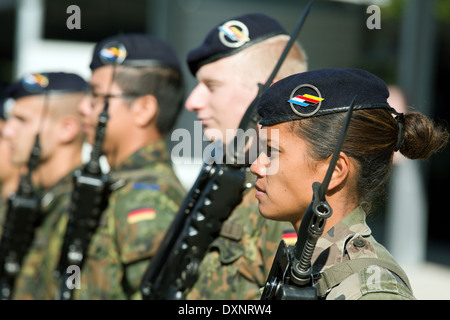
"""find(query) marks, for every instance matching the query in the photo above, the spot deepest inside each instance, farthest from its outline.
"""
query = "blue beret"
(46, 82)
(39, 84)
(134, 50)
(232, 36)
(321, 92)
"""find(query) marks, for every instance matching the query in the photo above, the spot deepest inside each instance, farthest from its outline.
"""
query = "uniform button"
(358, 242)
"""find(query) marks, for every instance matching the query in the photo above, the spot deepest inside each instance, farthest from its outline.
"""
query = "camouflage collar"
(354, 222)
(335, 239)
(148, 156)
(62, 187)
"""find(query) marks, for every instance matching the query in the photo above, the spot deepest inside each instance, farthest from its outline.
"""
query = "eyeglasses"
(100, 97)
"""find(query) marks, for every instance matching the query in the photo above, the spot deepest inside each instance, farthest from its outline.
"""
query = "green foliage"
(394, 9)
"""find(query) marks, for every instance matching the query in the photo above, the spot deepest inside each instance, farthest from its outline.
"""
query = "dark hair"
(165, 84)
(371, 140)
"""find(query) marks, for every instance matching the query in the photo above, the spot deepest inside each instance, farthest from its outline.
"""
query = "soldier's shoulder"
(371, 283)
(376, 275)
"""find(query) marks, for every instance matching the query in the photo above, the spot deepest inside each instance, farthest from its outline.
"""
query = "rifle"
(22, 217)
(290, 277)
(217, 190)
(89, 199)
(92, 188)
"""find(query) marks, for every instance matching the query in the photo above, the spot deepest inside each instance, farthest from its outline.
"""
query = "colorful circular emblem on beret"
(113, 53)
(305, 100)
(233, 34)
(35, 82)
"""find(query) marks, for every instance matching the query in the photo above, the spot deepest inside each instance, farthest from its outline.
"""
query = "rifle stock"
(89, 199)
(92, 189)
(174, 267)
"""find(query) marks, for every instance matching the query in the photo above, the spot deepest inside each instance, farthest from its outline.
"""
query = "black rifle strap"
(334, 275)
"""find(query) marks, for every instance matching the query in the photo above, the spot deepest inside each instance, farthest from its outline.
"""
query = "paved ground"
(430, 281)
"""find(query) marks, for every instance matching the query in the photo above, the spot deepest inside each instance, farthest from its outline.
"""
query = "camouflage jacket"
(351, 239)
(3, 208)
(36, 279)
(132, 225)
(239, 260)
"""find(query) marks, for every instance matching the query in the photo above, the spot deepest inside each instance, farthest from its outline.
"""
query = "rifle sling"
(336, 274)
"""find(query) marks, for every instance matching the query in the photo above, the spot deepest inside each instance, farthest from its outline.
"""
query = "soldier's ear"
(144, 110)
(341, 172)
(70, 128)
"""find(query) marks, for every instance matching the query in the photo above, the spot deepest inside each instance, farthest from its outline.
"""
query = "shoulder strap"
(339, 272)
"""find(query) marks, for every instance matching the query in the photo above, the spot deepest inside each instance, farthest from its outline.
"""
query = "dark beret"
(46, 82)
(321, 92)
(134, 50)
(39, 84)
(232, 36)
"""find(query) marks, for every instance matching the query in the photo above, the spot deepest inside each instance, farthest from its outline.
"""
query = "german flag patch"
(142, 214)
(290, 237)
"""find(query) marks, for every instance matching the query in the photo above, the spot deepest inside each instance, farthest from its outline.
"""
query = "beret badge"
(35, 82)
(233, 34)
(305, 100)
(113, 52)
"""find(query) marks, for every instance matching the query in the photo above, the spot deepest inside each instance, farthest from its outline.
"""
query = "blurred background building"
(410, 49)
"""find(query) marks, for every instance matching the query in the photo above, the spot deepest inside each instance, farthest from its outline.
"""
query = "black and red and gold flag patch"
(141, 214)
(289, 237)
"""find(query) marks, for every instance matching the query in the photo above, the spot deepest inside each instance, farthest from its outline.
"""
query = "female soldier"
(302, 116)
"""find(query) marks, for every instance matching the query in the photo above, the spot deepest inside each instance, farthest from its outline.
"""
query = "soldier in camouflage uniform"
(235, 56)
(145, 96)
(306, 111)
(46, 104)
(9, 173)
(37, 280)
(351, 239)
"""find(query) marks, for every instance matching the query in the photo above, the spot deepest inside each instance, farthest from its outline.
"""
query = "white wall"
(48, 56)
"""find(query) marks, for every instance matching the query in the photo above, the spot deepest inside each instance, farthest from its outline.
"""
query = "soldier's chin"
(89, 139)
(270, 215)
(264, 213)
(213, 134)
